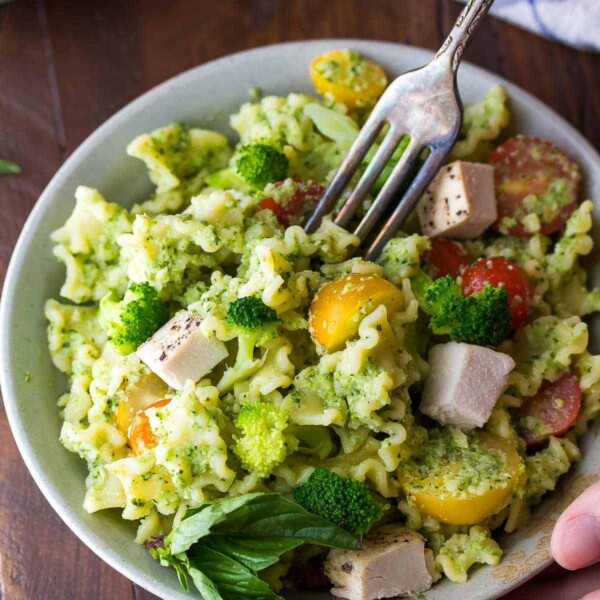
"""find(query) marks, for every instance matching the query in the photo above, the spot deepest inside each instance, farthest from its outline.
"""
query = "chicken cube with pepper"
(460, 202)
(392, 562)
(464, 384)
(178, 351)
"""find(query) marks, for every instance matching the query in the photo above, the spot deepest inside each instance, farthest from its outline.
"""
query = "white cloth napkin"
(572, 22)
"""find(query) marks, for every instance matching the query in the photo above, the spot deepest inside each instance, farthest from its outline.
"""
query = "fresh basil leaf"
(223, 544)
(228, 578)
(256, 554)
(190, 512)
(202, 520)
(258, 516)
(179, 563)
(205, 586)
(273, 515)
(181, 575)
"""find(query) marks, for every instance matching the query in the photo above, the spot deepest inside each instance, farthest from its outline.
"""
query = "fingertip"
(575, 540)
(562, 548)
(576, 537)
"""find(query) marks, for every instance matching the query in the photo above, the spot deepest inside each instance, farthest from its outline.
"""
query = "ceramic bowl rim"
(23, 246)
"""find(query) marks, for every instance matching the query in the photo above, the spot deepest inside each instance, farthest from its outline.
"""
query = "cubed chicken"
(460, 201)
(178, 351)
(392, 562)
(464, 384)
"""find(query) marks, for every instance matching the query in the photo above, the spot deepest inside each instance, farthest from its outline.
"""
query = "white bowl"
(206, 96)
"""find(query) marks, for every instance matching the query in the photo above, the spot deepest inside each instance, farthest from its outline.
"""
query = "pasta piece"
(87, 245)
(462, 551)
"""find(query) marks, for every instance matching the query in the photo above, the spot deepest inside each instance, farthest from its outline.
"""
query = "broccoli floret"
(259, 163)
(250, 314)
(132, 320)
(482, 318)
(263, 443)
(346, 502)
(254, 320)
(256, 324)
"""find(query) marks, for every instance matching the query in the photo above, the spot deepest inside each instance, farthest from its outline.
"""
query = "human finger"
(576, 536)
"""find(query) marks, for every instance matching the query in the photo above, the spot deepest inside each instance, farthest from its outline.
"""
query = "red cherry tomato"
(446, 257)
(499, 272)
(527, 165)
(291, 207)
(556, 406)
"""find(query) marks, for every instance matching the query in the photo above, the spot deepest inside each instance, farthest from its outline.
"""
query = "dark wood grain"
(28, 127)
(67, 66)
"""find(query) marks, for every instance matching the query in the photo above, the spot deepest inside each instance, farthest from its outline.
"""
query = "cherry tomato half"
(429, 496)
(345, 76)
(292, 206)
(340, 305)
(446, 257)
(147, 390)
(553, 409)
(526, 166)
(499, 272)
(141, 436)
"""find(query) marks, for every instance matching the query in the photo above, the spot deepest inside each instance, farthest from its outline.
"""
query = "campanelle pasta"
(202, 246)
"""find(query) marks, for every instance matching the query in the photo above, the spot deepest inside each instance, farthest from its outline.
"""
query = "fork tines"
(422, 105)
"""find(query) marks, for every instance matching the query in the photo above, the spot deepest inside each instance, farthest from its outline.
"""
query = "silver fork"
(423, 104)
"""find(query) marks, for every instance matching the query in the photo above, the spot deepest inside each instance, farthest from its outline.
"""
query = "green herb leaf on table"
(7, 167)
(223, 545)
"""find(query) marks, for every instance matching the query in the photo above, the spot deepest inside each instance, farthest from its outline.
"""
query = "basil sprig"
(223, 545)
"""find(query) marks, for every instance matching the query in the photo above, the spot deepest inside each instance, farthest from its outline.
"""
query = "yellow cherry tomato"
(340, 305)
(346, 77)
(147, 389)
(141, 436)
(467, 502)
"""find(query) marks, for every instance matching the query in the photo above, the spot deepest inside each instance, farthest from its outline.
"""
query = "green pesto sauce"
(456, 465)
(546, 207)
(535, 425)
(350, 74)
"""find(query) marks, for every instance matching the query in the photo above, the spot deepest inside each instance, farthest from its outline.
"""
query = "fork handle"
(467, 23)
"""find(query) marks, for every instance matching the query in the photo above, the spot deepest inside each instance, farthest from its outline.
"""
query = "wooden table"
(67, 66)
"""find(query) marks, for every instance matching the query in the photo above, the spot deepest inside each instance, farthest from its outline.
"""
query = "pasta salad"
(274, 411)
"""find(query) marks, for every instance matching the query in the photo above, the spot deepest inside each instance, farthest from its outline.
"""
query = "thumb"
(576, 536)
